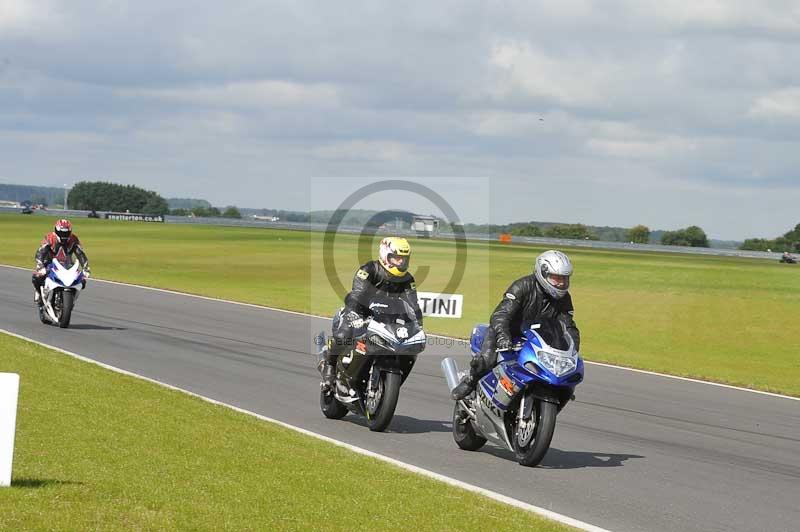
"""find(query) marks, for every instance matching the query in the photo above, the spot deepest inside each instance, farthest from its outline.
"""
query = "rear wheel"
(67, 301)
(463, 432)
(532, 441)
(380, 408)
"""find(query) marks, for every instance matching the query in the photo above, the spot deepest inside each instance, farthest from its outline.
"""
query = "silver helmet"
(552, 270)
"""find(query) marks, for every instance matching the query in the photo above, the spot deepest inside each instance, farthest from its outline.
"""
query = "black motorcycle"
(788, 259)
(369, 376)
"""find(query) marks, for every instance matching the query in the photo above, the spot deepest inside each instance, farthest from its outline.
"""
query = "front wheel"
(532, 442)
(380, 408)
(67, 301)
(463, 432)
(330, 406)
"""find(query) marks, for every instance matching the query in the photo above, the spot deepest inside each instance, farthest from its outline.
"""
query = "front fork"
(373, 381)
(468, 410)
(525, 424)
(49, 301)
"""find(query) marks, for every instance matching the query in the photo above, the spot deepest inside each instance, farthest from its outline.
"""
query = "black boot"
(464, 388)
(329, 369)
(329, 372)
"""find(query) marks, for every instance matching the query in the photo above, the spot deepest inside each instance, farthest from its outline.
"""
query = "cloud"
(608, 99)
(15, 13)
(732, 15)
(782, 104)
(262, 94)
(41, 20)
(364, 150)
(568, 81)
(642, 148)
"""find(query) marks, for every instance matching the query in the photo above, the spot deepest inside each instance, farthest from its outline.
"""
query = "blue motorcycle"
(515, 405)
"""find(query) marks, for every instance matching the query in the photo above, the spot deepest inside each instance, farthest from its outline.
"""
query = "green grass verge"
(97, 450)
(729, 320)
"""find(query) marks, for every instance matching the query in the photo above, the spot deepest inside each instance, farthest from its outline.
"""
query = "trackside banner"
(9, 391)
(133, 217)
(440, 305)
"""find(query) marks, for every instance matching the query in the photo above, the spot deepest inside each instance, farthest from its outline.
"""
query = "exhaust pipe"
(450, 370)
(322, 349)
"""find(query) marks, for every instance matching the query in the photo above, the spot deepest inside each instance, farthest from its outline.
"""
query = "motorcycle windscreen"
(393, 310)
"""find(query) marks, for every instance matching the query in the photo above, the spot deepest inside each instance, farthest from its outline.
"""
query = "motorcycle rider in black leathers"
(389, 276)
(541, 295)
(61, 244)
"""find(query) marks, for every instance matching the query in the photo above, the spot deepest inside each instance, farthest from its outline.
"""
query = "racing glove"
(353, 319)
(479, 366)
(502, 343)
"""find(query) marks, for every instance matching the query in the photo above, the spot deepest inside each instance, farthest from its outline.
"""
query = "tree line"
(692, 236)
(103, 196)
(208, 212)
(790, 241)
(32, 194)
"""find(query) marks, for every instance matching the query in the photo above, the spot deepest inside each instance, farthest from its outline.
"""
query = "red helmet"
(63, 230)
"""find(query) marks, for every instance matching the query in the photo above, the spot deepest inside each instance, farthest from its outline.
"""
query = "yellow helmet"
(395, 254)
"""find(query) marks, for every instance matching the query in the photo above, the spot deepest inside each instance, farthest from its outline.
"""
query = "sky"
(616, 113)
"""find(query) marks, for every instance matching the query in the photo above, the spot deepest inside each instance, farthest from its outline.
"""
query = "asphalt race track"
(634, 452)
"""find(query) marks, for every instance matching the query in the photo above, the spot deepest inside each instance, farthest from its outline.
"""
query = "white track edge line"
(305, 314)
(710, 383)
(499, 497)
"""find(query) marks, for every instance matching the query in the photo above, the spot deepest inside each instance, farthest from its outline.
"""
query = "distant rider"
(61, 244)
(377, 279)
(539, 296)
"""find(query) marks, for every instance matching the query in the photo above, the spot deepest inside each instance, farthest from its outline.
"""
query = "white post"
(9, 391)
(65, 196)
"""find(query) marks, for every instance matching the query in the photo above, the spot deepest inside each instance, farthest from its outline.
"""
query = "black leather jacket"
(372, 282)
(524, 303)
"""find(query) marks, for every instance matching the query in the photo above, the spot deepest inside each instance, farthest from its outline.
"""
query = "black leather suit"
(52, 248)
(370, 283)
(524, 303)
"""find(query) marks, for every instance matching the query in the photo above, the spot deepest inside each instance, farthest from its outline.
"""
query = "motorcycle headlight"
(558, 365)
(418, 338)
(377, 340)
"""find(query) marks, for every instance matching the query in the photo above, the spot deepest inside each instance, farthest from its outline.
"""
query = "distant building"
(425, 226)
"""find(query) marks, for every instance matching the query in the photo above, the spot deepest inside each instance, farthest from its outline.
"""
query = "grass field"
(96, 450)
(730, 320)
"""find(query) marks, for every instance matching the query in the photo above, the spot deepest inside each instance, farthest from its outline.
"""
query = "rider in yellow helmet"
(394, 255)
(387, 276)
